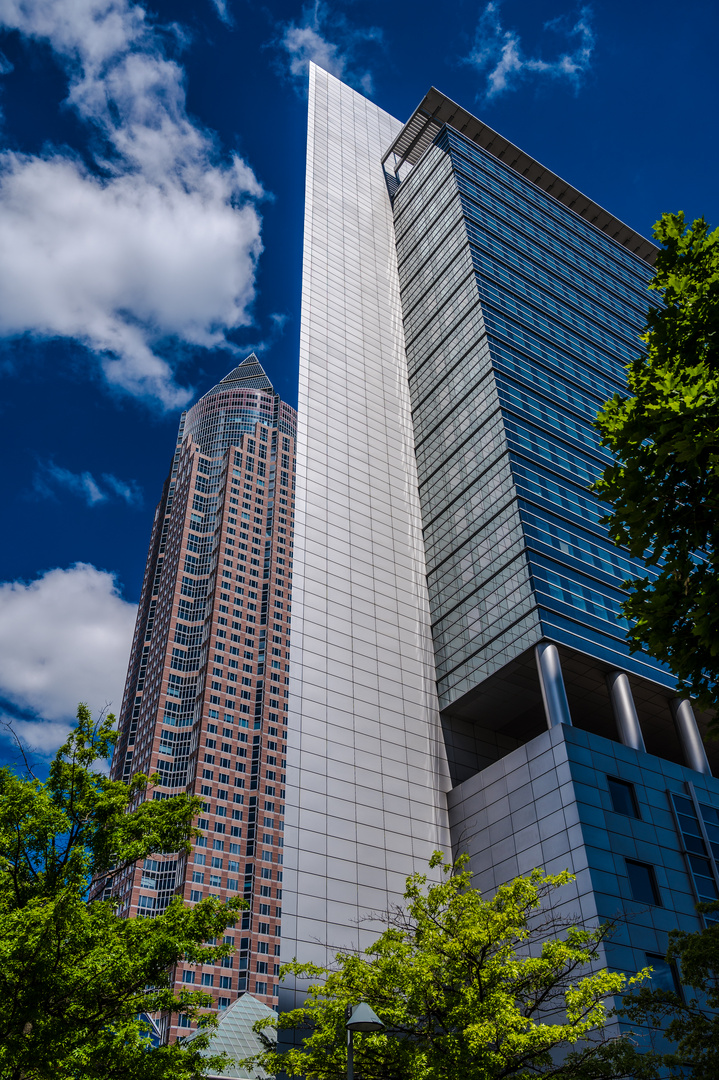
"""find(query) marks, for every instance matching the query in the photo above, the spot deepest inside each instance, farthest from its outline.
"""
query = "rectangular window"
(664, 975)
(208, 980)
(624, 797)
(188, 976)
(703, 877)
(642, 883)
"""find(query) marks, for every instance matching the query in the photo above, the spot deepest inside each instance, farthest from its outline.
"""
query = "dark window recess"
(664, 975)
(703, 877)
(689, 825)
(624, 797)
(695, 850)
(711, 824)
(643, 883)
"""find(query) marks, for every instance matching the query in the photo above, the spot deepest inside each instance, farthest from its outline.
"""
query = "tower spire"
(249, 375)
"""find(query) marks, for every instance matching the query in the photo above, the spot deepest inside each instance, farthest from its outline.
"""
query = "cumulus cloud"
(64, 638)
(327, 39)
(499, 53)
(49, 477)
(158, 240)
(43, 736)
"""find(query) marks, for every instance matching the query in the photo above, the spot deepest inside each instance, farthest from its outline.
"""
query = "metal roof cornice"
(437, 109)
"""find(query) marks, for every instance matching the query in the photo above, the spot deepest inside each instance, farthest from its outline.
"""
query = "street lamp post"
(359, 1018)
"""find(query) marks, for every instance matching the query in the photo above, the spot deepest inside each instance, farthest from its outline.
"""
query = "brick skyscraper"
(205, 702)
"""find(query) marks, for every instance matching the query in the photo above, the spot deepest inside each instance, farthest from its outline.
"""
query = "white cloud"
(64, 638)
(127, 490)
(50, 476)
(499, 52)
(44, 736)
(160, 242)
(223, 14)
(309, 41)
(277, 322)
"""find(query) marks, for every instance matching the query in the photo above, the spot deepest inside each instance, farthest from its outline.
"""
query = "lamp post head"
(363, 1018)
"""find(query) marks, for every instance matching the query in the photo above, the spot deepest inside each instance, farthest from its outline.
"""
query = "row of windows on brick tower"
(205, 702)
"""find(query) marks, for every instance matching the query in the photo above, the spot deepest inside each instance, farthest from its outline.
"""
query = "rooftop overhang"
(436, 110)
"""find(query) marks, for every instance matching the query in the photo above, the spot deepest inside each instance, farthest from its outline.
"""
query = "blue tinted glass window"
(624, 799)
(643, 883)
(664, 975)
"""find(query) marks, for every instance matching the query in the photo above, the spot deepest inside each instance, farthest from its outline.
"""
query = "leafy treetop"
(74, 977)
(467, 988)
(663, 487)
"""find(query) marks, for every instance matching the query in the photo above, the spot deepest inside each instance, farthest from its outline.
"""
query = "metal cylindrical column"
(689, 736)
(554, 695)
(625, 713)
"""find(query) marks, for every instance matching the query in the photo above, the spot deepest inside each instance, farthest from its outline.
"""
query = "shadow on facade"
(506, 711)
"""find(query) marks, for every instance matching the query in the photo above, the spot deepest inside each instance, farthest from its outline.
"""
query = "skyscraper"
(461, 678)
(205, 702)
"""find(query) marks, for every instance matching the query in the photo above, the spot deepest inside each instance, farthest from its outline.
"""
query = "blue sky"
(151, 198)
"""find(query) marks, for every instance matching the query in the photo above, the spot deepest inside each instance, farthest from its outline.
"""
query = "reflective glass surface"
(520, 318)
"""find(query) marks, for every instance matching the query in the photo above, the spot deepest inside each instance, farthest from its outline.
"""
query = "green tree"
(468, 988)
(74, 978)
(664, 485)
(690, 1018)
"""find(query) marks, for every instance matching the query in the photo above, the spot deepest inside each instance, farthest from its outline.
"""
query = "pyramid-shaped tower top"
(216, 424)
(234, 1034)
(249, 375)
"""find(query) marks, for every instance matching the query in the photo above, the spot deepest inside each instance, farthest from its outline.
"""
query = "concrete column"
(554, 696)
(625, 713)
(689, 736)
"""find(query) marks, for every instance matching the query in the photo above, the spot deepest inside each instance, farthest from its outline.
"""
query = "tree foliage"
(664, 485)
(74, 978)
(469, 989)
(690, 1020)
